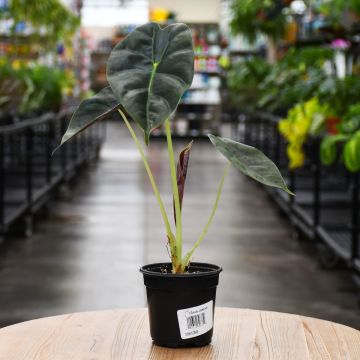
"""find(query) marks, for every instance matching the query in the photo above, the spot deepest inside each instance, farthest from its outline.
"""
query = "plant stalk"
(186, 259)
(175, 190)
(169, 233)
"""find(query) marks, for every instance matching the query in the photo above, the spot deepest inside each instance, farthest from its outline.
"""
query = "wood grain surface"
(124, 334)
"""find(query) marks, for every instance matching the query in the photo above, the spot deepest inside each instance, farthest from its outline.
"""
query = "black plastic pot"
(181, 306)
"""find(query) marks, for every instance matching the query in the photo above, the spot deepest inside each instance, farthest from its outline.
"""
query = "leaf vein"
(174, 77)
(134, 52)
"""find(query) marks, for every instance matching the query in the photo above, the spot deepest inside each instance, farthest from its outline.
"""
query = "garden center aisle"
(86, 255)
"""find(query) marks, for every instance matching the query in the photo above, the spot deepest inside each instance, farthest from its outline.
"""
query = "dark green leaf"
(89, 111)
(251, 161)
(150, 70)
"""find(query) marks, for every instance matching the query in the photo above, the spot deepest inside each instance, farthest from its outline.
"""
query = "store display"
(44, 63)
(113, 132)
(304, 114)
(38, 59)
(29, 175)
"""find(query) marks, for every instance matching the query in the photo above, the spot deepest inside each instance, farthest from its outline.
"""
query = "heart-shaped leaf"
(89, 111)
(251, 161)
(150, 70)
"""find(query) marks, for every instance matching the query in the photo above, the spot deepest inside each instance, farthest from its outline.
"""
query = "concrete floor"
(86, 255)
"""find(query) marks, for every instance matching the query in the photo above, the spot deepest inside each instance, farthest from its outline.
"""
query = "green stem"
(155, 189)
(176, 195)
(186, 259)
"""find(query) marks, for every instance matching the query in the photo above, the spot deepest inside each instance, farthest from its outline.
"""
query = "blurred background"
(280, 75)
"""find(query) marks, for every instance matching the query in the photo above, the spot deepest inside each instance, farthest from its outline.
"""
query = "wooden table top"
(124, 334)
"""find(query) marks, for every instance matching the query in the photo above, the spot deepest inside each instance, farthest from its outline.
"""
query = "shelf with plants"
(38, 63)
(313, 91)
(282, 24)
(25, 26)
(323, 209)
(29, 175)
(35, 36)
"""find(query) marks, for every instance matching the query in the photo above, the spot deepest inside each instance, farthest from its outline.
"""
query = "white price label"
(195, 321)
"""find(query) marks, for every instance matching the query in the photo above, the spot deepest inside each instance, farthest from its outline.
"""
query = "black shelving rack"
(29, 174)
(326, 206)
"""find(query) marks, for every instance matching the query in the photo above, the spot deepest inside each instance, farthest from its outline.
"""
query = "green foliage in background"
(294, 78)
(329, 148)
(12, 87)
(346, 143)
(351, 120)
(340, 93)
(255, 84)
(335, 115)
(30, 89)
(244, 81)
(251, 18)
(49, 15)
(303, 119)
(313, 102)
(334, 9)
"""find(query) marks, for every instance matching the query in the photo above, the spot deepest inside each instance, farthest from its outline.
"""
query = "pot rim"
(209, 269)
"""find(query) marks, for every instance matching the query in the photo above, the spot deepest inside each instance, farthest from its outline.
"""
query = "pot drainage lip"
(198, 269)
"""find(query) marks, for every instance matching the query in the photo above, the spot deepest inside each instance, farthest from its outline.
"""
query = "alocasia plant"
(148, 73)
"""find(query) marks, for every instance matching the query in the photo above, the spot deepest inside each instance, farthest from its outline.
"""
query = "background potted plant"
(148, 73)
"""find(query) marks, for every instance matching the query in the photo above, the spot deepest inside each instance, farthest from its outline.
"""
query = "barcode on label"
(195, 321)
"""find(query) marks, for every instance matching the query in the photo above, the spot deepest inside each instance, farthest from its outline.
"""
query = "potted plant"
(148, 73)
